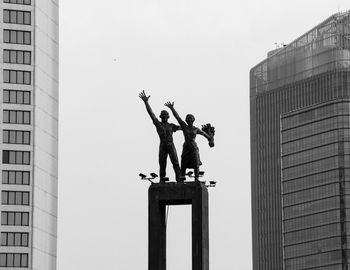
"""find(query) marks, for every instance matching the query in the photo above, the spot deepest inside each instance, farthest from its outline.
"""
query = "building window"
(15, 157)
(15, 177)
(13, 260)
(17, 37)
(17, 76)
(21, 2)
(16, 117)
(17, 16)
(14, 239)
(16, 136)
(16, 97)
(14, 197)
(14, 218)
(17, 57)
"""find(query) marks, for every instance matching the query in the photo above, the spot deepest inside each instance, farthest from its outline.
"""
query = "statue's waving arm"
(170, 105)
(145, 99)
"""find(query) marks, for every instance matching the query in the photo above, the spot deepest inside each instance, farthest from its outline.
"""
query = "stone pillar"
(159, 196)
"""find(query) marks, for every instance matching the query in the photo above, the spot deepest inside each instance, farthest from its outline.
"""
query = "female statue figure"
(190, 153)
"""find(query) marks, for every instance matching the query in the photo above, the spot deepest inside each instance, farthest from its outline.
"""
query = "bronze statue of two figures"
(190, 153)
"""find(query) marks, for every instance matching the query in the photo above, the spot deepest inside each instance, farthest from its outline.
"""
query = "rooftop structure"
(299, 151)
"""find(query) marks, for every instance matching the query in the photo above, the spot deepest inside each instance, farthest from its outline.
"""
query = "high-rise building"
(29, 133)
(300, 151)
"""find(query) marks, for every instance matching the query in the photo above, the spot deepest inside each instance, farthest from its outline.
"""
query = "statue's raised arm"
(170, 105)
(145, 99)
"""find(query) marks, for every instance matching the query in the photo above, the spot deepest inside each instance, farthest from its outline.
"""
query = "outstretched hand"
(143, 96)
(169, 104)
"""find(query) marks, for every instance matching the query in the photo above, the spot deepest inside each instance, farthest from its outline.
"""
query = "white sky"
(197, 53)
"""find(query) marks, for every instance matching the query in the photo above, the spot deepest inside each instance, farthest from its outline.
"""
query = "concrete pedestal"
(159, 196)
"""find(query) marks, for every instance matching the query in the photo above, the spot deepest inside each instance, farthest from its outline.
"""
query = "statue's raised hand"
(143, 96)
(169, 104)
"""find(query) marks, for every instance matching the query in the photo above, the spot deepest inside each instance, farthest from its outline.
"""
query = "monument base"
(159, 196)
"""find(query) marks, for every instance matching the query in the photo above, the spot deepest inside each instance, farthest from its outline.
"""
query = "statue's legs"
(174, 161)
(163, 154)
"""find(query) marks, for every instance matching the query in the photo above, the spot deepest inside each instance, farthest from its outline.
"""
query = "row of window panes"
(17, 57)
(14, 239)
(341, 121)
(20, 2)
(19, 260)
(312, 247)
(311, 207)
(321, 259)
(317, 113)
(17, 37)
(15, 177)
(347, 211)
(312, 180)
(14, 218)
(16, 117)
(16, 136)
(311, 194)
(17, 16)
(17, 76)
(315, 153)
(312, 220)
(15, 157)
(14, 197)
(312, 141)
(16, 97)
(310, 168)
(312, 234)
(338, 148)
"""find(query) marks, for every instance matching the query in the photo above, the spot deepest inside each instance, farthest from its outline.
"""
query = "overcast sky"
(197, 53)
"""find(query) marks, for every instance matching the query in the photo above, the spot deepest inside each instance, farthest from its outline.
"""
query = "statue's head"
(164, 115)
(189, 119)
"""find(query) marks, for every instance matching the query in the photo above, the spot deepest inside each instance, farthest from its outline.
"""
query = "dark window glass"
(17, 76)
(20, 2)
(7, 56)
(5, 175)
(17, 57)
(25, 219)
(4, 198)
(15, 157)
(2, 259)
(17, 37)
(16, 97)
(6, 15)
(18, 239)
(15, 177)
(17, 260)
(14, 260)
(16, 136)
(18, 218)
(24, 239)
(16, 117)
(9, 260)
(17, 16)
(12, 178)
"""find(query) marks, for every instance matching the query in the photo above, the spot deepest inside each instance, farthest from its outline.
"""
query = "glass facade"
(319, 205)
(29, 130)
(288, 227)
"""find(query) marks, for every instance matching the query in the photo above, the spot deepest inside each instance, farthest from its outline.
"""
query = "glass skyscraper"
(29, 133)
(300, 151)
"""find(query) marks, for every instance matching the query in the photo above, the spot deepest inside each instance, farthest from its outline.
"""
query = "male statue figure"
(166, 147)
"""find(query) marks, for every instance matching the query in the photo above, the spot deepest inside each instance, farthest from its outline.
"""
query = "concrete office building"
(29, 133)
(300, 151)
